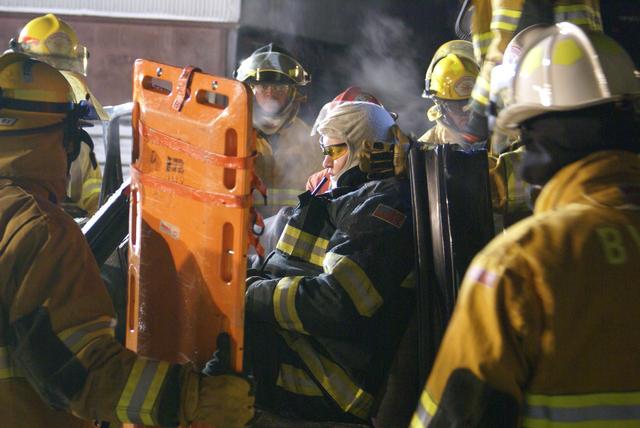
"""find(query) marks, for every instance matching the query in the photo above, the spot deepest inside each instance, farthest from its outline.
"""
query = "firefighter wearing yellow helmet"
(448, 83)
(287, 153)
(60, 365)
(544, 333)
(51, 40)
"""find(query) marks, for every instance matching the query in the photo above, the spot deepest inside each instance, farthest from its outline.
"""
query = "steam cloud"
(383, 62)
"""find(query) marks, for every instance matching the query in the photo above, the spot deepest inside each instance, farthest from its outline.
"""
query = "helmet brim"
(81, 90)
(514, 115)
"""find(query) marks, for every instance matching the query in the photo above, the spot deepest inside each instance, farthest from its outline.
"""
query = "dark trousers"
(265, 351)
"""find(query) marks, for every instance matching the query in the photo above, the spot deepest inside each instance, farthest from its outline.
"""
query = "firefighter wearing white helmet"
(495, 22)
(287, 153)
(448, 83)
(60, 365)
(545, 329)
(49, 39)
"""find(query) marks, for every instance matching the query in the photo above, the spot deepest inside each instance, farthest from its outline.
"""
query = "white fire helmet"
(568, 69)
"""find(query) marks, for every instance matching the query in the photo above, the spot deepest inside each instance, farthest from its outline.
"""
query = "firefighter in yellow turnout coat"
(287, 155)
(545, 333)
(494, 24)
(448, 83)
(60, 365)
(49, 39)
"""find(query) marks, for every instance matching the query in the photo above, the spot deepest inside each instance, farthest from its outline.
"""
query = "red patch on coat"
(389, 215)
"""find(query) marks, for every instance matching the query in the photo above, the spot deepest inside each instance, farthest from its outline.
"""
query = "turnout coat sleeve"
(490, 346)
(367, 258)
(60, 328)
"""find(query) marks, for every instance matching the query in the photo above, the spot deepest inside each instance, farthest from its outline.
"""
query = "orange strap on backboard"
(182, 88)
(222, 200)
(231, 162)
(254, 238)
(258, 184)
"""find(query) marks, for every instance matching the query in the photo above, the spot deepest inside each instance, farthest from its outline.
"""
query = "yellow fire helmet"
(452, 72)
(51, 40)
(33, 94)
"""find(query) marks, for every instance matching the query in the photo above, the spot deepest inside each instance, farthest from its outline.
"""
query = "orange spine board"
(192, 170)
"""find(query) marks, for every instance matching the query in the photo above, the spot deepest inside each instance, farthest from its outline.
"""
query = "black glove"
(477, 128)
(220, 363)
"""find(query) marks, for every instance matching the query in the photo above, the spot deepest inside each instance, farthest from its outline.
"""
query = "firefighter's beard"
(269, 117)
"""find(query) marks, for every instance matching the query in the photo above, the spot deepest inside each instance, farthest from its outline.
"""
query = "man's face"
(272, 97)
(454, 112)
(335, 155)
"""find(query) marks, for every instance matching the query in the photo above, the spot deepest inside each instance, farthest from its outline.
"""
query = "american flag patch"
(389, 215)
(482, 276)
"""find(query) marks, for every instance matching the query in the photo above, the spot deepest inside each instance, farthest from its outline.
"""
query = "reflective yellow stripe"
(409, 281)
(334, 380)
(141, 391)
(511, 13)
(153, 392)
(479, 93)
(127, 393)
(427, 407)
(76, 338)
(91, 186)
(481, 44)
(579, 14)
(504, 26)
(93, 181)
(505, 19)
(297, 381)
(303, 245)
(7, 369)
(354, 281)
(284, 304)
(582, 411)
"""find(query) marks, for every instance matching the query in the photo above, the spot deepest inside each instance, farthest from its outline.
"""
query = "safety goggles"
(276, 89)
(335, 151)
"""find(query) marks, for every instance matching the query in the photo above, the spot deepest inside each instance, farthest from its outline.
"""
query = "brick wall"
(114, 44)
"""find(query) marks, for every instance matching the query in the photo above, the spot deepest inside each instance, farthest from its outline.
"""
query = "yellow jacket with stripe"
(545, 333)
(342, 291)
(510, 195)
(285, 162)
(495, 22)
(59, 361)
(85, 182)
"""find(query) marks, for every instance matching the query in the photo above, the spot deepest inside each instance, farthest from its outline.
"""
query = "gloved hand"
(223, 401)
(477, 128)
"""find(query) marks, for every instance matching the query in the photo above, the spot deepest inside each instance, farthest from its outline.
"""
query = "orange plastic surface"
(192, 169)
